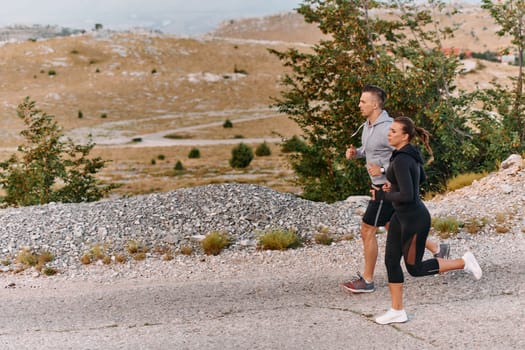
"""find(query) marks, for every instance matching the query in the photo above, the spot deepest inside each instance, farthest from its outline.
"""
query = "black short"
(378, 213)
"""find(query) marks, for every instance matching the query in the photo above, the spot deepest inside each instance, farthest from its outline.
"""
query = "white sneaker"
(471, 265)
(392, 316)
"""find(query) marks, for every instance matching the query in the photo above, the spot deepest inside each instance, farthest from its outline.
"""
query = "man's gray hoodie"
(374, 144)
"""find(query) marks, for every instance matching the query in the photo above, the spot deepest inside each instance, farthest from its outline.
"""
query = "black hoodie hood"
(414, 152)
(411, 150)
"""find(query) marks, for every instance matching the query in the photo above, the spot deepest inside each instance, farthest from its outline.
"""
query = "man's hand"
(351, 152)
(373, 192)
(373, 169)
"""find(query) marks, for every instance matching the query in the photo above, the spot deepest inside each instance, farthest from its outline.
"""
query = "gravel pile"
(176, 218)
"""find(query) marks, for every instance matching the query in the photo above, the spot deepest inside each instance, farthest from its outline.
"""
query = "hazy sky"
(184, 17)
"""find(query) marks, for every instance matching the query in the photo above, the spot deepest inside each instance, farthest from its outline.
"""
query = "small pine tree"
(178, 166)
(227, 124)
(194, 153)
(242, 156)
(263, 150)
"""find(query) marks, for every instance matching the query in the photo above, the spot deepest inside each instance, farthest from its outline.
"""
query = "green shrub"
(279, 239)
(215, 242)
(263, 150)
(227, 124)
(51, 72)
(50, 168)
(178, 166)
(293, 144)
(194, 153)
(242, 156)
(80, 114)
(161, 157)
(103, 115)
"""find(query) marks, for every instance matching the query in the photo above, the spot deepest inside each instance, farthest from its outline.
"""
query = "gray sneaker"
(444, 251)
(359, 285)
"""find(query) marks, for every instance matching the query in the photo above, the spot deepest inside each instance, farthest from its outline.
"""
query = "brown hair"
(379, 93)
(412, 130)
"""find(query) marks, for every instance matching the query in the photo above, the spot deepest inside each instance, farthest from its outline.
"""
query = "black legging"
(407, 235)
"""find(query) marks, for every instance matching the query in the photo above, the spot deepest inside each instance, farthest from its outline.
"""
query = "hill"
(142, 86)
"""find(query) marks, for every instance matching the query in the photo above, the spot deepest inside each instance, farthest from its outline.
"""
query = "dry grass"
(279, 239)
(446, 227)
(215, 242)
(463, 180)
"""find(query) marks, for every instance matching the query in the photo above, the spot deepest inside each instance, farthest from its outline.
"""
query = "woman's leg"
(393, 254)
(396, 295)
(449, 265)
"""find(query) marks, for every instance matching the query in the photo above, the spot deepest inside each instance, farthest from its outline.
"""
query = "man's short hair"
(378, 92)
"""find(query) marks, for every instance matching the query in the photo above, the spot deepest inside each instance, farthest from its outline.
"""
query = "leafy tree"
(510, 105)
(399, 54)
(50, 169)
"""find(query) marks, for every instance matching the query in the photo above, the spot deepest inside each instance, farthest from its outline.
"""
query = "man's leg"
(364, 283)
(368, 235)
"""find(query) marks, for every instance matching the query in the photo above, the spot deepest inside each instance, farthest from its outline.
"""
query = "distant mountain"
(34, 32)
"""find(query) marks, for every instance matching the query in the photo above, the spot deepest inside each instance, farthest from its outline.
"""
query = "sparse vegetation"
(186, 250)
(474, 225)
(324, 238)
(279, 239)
(263, 150)
(28, 258)
(446, 227)
(463, 180)
(227, 124)
(239, 71)
(242, 155)
(178, 166)
(215, 242)
(194, 153)
(51, 72)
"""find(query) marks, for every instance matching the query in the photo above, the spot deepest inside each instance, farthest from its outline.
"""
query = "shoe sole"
(391, 322)
(356, 291)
